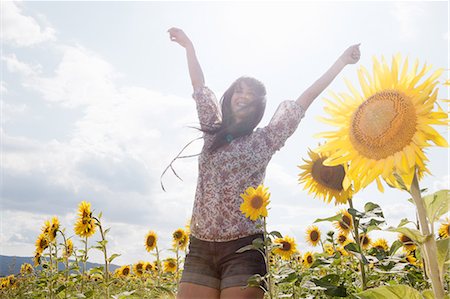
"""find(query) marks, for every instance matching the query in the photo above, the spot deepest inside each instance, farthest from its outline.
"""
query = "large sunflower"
(343, 239)
(170, 265)
(324, 181)
(69, 248)
(26, 268)
(328, 248)
(313, 235)
(85, 225)
(381, 244)
(180, 239)
(346, 223)
(287, 248)
(50, 228)
(308, 259)
(255, 202)
(37, 258)
(42, 243)
(124, 270)
(150, 241)
(139, 268)
(385, 129)
(444, 229)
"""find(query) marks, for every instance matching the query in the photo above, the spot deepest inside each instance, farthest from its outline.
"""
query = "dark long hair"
(228, 129)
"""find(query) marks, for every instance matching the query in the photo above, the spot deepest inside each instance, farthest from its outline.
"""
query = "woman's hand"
(177, 35)
(351, 55)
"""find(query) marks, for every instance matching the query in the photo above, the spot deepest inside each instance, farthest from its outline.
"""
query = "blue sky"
(95, 102)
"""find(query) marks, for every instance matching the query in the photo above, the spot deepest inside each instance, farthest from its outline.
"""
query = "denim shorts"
(217, 265)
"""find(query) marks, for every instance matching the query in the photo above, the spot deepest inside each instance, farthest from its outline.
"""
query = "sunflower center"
(406, 240)
(383, 125)
(177, 235)
(342, 239)
(150, 241)
(329, 176)
(314, 235)
(286, 246)
(257, 202)
(309, 259)
(126, 271)
(364, 240)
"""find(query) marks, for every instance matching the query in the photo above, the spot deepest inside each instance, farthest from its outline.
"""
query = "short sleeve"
(207, 107)
(283, 124)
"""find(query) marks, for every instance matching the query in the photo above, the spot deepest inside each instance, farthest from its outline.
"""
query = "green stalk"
(50, 285)
(66, 263)
(177, 271)
(158, 265)
(84, 264)
(358, 243)
(267, 258)
(429, 246)
(105, 255)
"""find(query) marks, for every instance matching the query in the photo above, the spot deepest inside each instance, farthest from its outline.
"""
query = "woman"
(234, 157)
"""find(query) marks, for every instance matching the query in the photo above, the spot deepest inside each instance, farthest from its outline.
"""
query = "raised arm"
(350, 56)
(195, 71)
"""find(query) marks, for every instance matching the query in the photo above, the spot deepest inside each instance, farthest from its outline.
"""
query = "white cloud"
(12, 111)
(406, 14)
(3, 89)
(14, 65)
(20, 30)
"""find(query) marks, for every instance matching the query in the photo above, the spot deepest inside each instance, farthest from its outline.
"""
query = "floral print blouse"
(230, 170)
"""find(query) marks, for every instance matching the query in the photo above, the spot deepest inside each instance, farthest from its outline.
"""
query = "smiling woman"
(233, 160)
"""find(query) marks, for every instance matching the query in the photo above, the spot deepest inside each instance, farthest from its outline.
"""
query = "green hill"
(11, 265)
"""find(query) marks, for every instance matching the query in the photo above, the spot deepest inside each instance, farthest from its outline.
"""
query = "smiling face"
(242, 105)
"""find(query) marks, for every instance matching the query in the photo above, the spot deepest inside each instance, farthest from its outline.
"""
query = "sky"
(96, 102)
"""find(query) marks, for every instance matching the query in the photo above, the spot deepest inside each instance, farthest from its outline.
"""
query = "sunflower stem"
(66, 262)
(50, 282)
(84, 263)
(176, 272)
(266, 251)
(158, 266)
(429, 246)
(103, 245)
(358, 243)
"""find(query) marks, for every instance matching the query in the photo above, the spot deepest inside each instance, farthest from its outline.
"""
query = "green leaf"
(396, 245)
(400, 182)
(353, 249)
(355, 213)
(372, 207)
(437, 204)
(391, 292)
(245, 248)
(112, 257)
(403, 222)
(258, 243)
(100, 215)
(254, 280)
(443, 252)
(337, 217)
(330, 283)
(61, 288)
(411, 233)
(107, 230)
(428, 294)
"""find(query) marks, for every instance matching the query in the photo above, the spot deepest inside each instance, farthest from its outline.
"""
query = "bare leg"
(239, 293)
(195, 291)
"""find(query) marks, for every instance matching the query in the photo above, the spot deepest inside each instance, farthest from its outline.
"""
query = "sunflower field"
(381, 136)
